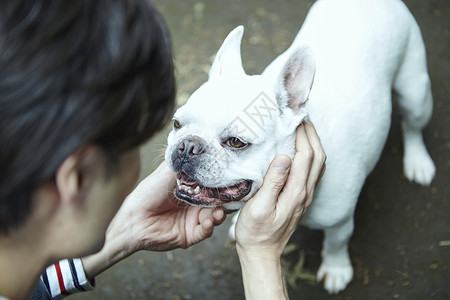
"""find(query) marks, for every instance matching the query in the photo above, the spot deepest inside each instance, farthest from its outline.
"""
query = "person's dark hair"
(74, 73)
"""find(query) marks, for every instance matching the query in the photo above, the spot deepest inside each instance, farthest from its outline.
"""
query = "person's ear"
(78, 172)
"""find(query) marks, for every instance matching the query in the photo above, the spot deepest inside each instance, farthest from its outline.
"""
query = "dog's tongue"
(191, 191)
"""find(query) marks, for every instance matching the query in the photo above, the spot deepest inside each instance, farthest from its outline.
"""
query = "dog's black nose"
(191, 146)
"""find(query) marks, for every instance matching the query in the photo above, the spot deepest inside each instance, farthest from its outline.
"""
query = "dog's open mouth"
(194, 193)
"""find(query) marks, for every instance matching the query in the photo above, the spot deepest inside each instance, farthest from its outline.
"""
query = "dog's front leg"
(336, 268)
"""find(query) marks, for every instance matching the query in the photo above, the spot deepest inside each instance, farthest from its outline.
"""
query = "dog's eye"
(236, 142)
(176, 124)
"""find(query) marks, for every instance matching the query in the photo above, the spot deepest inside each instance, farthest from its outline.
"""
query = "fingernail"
(282, 164)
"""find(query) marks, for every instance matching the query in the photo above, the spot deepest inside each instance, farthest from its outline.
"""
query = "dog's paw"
(335, 277)
(418, 165)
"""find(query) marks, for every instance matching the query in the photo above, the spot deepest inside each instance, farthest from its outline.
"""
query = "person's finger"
(317, 167)
(203, 213)
(162, 180)
(204, 230)
(218, 216)
(215, 215)
(202, 222)
(273, 183)
(296, 184)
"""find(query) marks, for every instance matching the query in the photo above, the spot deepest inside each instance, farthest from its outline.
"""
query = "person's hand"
(268, 220)
(151, 218)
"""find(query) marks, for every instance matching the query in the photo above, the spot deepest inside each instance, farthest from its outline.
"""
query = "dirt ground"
(401, 245)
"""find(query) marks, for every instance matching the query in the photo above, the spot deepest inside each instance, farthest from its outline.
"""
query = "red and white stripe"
(63, 282)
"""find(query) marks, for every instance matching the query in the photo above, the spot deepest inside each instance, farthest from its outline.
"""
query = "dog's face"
(226, 135)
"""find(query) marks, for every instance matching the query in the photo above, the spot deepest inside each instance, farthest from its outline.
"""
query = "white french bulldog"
(357, 53)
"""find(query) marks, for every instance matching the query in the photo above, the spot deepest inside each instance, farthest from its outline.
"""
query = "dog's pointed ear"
(228, 59)
(296, 79)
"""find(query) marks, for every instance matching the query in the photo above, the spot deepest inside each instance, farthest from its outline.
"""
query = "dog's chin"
(194, 193)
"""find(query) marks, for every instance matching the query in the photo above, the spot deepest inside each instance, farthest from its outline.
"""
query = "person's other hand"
(151, 218)
(268, 220)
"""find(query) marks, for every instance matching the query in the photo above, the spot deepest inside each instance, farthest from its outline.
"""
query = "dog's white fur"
(363, 49)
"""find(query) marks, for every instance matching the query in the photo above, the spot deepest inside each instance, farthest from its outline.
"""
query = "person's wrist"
(262, 274)
(259, 261)
(260, 265)
(114, 250)
(252, 254)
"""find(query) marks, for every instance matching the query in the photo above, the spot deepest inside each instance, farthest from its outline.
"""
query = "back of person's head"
(74, 73)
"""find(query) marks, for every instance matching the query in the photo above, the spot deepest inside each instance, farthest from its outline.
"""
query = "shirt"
(64, 278)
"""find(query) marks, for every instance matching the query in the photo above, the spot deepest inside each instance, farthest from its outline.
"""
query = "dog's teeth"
(178, 182)
(189, 191)
(197, 190)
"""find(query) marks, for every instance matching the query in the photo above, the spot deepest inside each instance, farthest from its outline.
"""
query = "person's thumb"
(274, 180)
